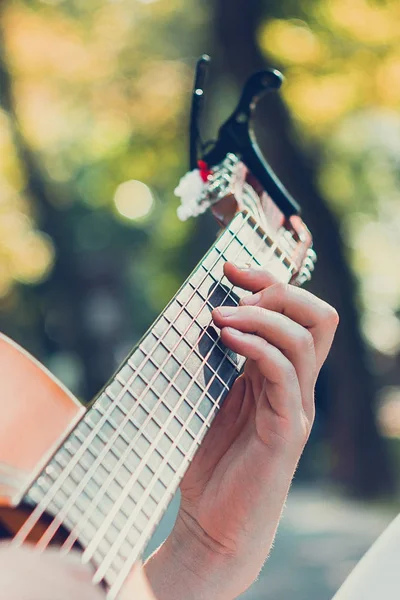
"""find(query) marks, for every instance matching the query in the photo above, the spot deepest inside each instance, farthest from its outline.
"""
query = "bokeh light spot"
(134, 200)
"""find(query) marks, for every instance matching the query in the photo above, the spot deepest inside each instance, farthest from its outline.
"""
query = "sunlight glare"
(133, 200)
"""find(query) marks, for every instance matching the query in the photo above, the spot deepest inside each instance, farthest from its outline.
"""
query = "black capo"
(236, 135)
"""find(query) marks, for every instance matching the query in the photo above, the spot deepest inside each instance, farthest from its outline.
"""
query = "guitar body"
(37, 414)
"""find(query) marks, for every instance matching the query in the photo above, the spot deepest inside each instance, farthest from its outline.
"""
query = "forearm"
(189, 565)
(179, 569)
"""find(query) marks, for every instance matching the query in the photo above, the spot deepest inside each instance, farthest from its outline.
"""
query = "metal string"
(43, 505)
(143, 499)
(125, 530)
(47, 536)
(205, 425)
(73, 536)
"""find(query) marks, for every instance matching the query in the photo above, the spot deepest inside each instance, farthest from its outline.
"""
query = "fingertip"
(232, 331)
(215, 314)
(233, 338)
(238, 267)
(249, 276)
(231, 270)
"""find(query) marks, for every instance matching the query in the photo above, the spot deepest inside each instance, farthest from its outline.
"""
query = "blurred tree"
(61, 322)
(71, 102)
(360, 459)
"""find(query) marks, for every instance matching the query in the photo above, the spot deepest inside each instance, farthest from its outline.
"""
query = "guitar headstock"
(233, 176)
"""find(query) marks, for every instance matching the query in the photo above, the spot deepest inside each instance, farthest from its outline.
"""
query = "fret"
(205, 294)
(255, 245)
(114, 389)
(154, 460)
(158, 489)
(176, 458)
(149, 342)
(212, 262)
(142, 443)
(205, 282)
(123, 475)
(184, 294)
(136, 359)
(137, 387)
(236, 251)
(196, 310)
(126, 374)
(195, 424)
(190, 356)
(183, 322)
(189, 390)
(160, 383)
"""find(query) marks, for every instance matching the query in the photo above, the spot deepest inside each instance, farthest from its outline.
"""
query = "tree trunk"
(360, 459)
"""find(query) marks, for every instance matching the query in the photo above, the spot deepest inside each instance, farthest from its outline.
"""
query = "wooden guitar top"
(37, 413)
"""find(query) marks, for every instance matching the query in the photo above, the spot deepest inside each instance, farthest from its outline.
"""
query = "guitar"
(101, 477)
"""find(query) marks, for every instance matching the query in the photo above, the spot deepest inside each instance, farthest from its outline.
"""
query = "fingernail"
(227, 311)
(254, 299)
(234, 332)
(243, 266)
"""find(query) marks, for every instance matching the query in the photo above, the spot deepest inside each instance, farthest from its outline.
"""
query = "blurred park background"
(94, 108)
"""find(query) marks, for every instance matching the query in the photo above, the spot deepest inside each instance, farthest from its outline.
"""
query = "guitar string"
(154, 442)
(139, 468)
(44, 503)
(125, 531)
(53, 526)
(138, 507)
(199, 435)
(173, 412)
(241, 249)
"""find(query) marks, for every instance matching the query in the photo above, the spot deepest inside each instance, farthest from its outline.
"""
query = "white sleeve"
(377, 575)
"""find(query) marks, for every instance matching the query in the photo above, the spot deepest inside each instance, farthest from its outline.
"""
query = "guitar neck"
(115, 475)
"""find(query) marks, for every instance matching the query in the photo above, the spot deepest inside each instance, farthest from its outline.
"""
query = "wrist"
(188, 566)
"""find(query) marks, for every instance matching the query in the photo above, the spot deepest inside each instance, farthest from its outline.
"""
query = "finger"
(304, 308)
(283, 390)
(249, 278)
(293, 340)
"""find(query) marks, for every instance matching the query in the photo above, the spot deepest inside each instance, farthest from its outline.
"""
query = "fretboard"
(115, 475)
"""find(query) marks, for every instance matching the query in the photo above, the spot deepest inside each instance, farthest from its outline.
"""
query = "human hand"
(236, 486)
(26, 574)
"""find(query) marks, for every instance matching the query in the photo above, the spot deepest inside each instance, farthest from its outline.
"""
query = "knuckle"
(280, 289)
(259, 312)
(260, 348)
(287, 372)
(304, 341)
(332, 317)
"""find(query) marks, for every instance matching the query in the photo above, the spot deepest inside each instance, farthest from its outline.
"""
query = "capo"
(237, 136)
